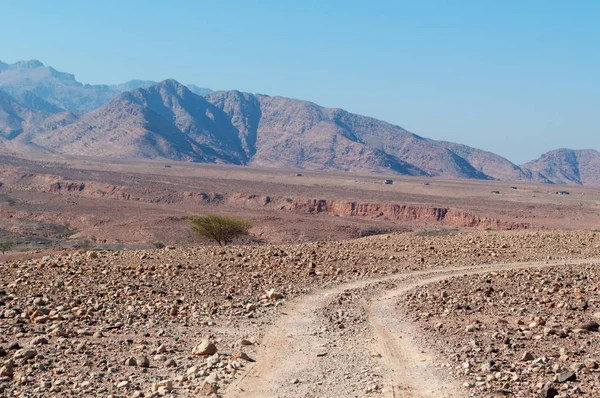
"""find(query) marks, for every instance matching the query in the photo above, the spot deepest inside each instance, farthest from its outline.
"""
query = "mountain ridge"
(61, 89)
(569, 166)
(145, 119)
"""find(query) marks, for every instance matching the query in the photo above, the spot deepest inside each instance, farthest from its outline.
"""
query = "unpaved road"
(379, 354)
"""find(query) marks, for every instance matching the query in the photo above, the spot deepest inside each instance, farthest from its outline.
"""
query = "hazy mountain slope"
(201, 91)
(141, 119)
(493, 165)
(568, 166)
(62, 89)
(32, 101)
(426, 154)
(283, 132)
(132, 85)
(59, 88)
(135, 84)
(293, 133)
(48, 125)
(16, 117)
(164, 121)
(243, 109)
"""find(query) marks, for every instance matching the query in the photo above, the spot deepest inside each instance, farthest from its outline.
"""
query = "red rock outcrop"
(399, 212)
(66, 186)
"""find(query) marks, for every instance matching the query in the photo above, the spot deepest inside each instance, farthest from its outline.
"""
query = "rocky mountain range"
(568, 166)
(61, 89)
(42, 109)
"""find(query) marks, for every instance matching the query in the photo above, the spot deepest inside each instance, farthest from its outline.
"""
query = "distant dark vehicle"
(167, 165)
(388, 182)
(495, 192)
(563, 193)
(513, 187)
(425, 183)
(299, 175)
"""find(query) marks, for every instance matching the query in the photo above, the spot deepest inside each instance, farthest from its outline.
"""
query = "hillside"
(163, 121)
(16, 117)
(43, 109)
(61, 89)
(568, 166)
(493, 165)
(168, 121)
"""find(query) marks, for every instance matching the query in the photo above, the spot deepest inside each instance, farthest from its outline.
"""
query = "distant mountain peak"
(62, 90)
(201, 91)
(31, 64)
(171, 84)
(569, 166)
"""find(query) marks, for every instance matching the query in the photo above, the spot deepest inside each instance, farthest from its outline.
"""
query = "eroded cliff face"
(405, 213)
(387, 211)
(66, 186)
(399, 212)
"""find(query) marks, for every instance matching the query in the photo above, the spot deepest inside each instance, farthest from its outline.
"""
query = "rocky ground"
(521, 333)
(147, 323)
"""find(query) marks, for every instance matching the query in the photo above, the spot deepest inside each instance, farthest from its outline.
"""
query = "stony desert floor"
(346, 287)
(484, 313)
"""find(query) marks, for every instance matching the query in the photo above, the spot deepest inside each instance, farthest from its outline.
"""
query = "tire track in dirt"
(287, 367)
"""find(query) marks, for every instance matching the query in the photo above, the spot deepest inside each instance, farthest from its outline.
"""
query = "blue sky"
(515, 77)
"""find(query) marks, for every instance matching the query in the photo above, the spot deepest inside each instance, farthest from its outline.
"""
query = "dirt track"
(300, 357)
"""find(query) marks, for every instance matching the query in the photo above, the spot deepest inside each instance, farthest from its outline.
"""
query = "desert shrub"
(159, 245)
(6, 245)
(437, 232)
(220, 228)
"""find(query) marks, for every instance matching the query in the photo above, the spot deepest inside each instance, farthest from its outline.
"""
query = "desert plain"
(346, 286)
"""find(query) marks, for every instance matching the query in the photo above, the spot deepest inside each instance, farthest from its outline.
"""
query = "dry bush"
(220, 228)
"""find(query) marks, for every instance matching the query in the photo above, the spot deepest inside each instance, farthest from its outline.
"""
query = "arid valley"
(346, 286)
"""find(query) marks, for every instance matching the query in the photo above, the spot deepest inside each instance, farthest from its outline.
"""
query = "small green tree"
(220, 228)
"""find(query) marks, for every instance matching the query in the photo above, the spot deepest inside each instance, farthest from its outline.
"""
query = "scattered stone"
(244, 356)
(23, 353)
(130, 361)
(591, 326)
(205, 347)
(273, 295)
(566, 376)
(14, 346)
(549, 392)
(6, 371)
(527, 356)
(210, 388)
(143, 361)
(39, 340)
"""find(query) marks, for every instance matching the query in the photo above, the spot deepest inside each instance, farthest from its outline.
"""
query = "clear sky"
(514, 77)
